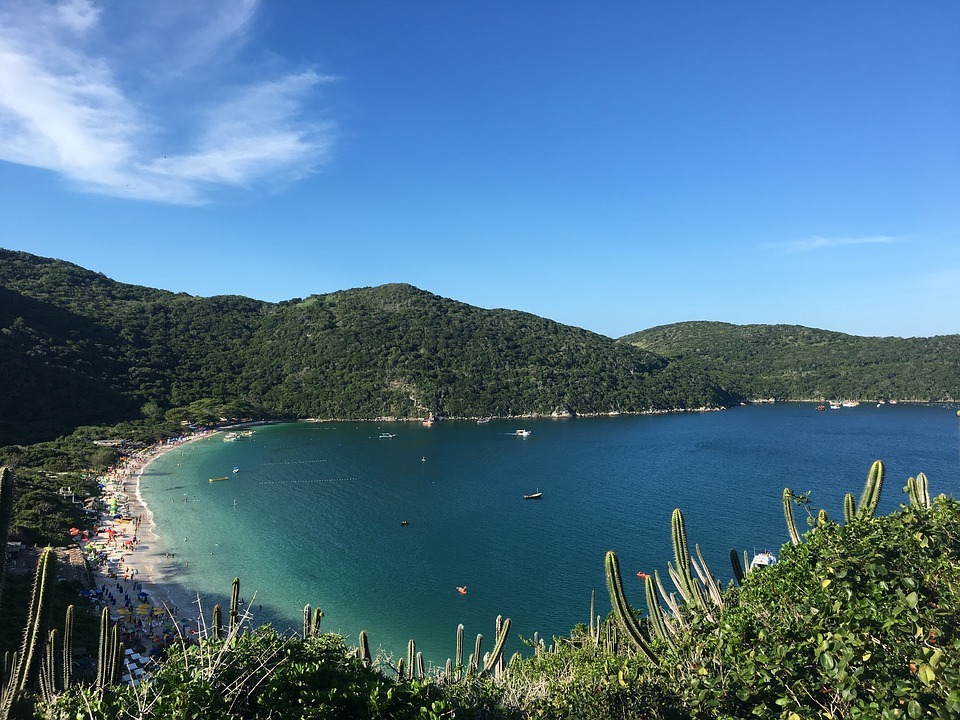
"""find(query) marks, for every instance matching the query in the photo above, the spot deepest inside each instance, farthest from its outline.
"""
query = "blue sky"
(613, 166)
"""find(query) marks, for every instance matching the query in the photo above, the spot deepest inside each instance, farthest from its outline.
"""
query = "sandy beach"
(130, 570)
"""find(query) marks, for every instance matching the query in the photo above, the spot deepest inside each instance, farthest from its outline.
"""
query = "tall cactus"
(411, 656)
(68, 647)
(315, 624)
(235, 604)
(458, 658)
(682, 576)
(492, 662)
(655, 611)
(6, 514)
(363, 647)
(493, 659)
(621, 607)
(788, 515)
(737, 566)
(36, 615)
(871, 491)
(216, 624)
(108, 651)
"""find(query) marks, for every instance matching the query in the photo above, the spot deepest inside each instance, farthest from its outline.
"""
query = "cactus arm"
(713, 590)
(68, 647)
(6, 514)
(217, 622)
(363, 647)
(459, 655)
(317, 619)
(622, 608)
(849, 508)
(307, 628)
(40, 595)
(736, 565)
(493, 660)
(788, 515)
(871, 491)
(235, 603)
(656, 612)
(102, 648)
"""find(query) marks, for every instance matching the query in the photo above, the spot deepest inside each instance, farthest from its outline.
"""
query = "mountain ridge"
(84, 348)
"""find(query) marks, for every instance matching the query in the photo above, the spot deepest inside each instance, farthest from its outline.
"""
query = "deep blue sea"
(314, 514)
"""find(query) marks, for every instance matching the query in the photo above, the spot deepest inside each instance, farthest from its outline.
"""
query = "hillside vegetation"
(80, 349)
(791, 362)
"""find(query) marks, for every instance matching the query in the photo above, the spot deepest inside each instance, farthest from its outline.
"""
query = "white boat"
(236, 469)
(534, 496)
(762, 559)
(850, 403)
(522, 433)
(387, 436)
(231, 437)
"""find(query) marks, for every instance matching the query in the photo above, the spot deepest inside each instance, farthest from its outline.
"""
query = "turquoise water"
(314, 513)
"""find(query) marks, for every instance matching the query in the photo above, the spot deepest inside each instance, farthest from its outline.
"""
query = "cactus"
(788, 515)
(216, 624)
(107, 651)
(593, 597)
(421, 670)
(6, 513)
(307, 627)
(401, 669)
(737, 566)
(918, 491)
(411, 656)
(48, 668)
(458, 658)
(475, 658)
(363, 647)
(493, 660)
(682, 577)
(713, 590)
(657, 619)
(39, 598)
(822, 517)
(849, 508)
(317, 617)
(235, 604)
(621, 607)
(68, 647)
(871, 491)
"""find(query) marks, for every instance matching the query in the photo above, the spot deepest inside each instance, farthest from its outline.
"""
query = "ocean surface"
(314, 514)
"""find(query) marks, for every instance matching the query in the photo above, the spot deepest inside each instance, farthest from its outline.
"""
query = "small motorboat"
(462, 589)
(533, 496)
(762, 559)
(387, 436)
(236, 469)
(522, 433)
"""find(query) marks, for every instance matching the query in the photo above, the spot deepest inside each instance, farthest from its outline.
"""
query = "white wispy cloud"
(817, 242)
(151, 119)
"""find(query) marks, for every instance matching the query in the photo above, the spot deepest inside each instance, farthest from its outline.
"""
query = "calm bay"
(315, 512)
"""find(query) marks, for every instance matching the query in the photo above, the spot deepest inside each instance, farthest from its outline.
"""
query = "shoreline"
(131, 572)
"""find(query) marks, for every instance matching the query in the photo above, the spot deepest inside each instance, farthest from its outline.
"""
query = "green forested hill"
(800, 363)
(78, 348)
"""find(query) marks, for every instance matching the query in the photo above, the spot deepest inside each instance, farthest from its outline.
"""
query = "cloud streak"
(70, 103)
(817, 242)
